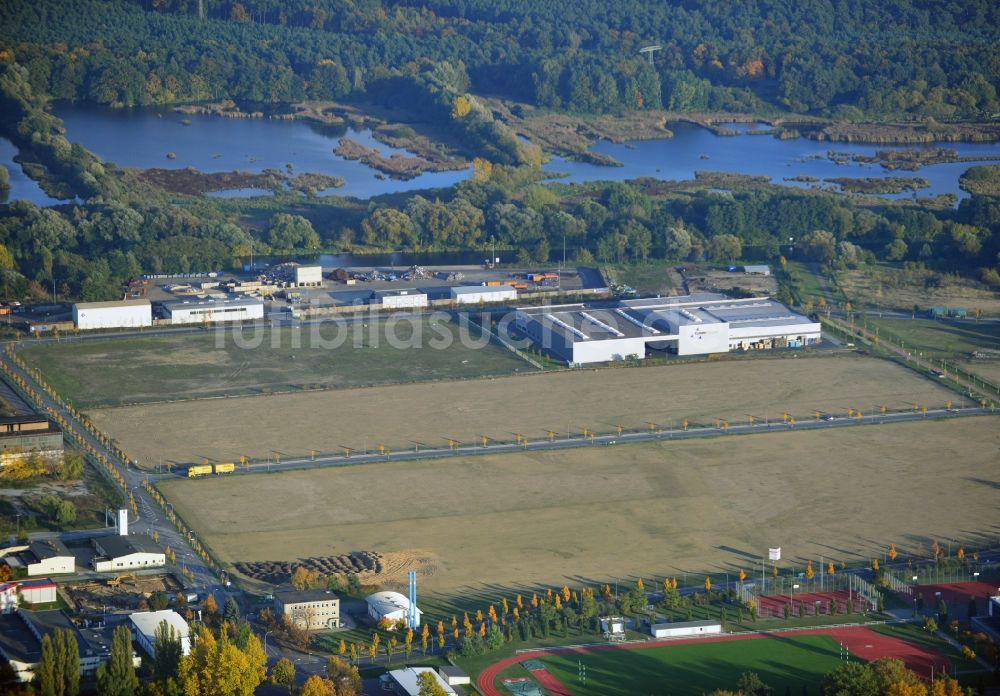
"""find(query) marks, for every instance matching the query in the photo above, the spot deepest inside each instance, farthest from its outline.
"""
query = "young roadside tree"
(344, 675)
(283, 673)
(118, 677)
(231, 611)
(318, 686)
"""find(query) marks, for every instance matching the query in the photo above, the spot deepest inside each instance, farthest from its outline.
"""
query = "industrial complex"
(690, 325)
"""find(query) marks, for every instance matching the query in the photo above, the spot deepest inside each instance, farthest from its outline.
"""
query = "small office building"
(313, 610)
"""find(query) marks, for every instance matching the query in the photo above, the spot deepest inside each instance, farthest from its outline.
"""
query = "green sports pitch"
(697, 668)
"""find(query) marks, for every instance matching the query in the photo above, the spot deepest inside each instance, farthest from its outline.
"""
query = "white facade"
(605, 351)
(145, 623)
(389, 605)
(404, 299)
(685, 628)
(407, 680)
(38, 591)
(474, 294)
(699, 339)
(128, 314)
(54, 565)
(699, 324)
(210, 311)
(131, 561)
(308, 276)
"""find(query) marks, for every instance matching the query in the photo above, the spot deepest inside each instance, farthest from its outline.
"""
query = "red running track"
(860, 641)
(953, 592)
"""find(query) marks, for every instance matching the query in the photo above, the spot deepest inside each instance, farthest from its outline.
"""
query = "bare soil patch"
(601, 513)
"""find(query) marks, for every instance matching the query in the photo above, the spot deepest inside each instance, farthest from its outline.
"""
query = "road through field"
(426, 415)
(591, 514)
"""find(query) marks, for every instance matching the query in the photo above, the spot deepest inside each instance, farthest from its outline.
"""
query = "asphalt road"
(693, 432)
(151, 518)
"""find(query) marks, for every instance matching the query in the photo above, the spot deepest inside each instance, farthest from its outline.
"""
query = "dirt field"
(565, 402)
(666, 508)
(901, 289)
(703, 279)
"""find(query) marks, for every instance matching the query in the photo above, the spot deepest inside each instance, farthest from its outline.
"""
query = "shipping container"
(226, 468)
(201, 470)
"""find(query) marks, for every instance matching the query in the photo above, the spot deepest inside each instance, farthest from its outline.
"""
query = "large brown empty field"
(429, 413)
(600, 513)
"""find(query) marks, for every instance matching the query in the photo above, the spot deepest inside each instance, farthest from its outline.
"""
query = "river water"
(143, 137)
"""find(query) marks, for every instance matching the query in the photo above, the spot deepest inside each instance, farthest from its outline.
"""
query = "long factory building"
(695, 324)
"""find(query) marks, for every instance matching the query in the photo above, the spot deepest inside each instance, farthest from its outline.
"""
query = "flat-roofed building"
(212, 311)
(399, 299)
(21, 635)
(406, 681)
(476, 294)
(691, 325)
(121, 314)
(308, 276)
(144, 625)
(22, 436)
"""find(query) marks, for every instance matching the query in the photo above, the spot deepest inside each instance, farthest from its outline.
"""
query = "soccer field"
(697, 668)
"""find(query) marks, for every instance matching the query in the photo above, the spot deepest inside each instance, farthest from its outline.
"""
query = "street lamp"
(265, 640)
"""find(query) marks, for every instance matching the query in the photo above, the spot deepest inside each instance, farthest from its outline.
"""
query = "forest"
(847, 59)
(844, 60)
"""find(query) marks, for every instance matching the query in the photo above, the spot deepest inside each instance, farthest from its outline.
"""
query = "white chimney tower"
(123, 522)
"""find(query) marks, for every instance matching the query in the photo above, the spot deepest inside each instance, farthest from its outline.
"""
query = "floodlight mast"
(650, 50)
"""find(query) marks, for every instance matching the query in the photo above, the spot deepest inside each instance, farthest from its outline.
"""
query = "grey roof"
(48, 548)
(289, 596)
(117, 546)
(472, 289)
(241, 301)
(17, 642)
(659, 318)
(451, 671)
(113, 303)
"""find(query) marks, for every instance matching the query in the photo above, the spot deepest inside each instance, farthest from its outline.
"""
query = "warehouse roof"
(241, 301)
(288, 596)
(118, 546)
(146, 622)
(111, 304)
(408, 679)
(659, 318)
(48, 548)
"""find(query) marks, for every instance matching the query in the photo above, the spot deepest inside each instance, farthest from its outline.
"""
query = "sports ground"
(695, 666)
(598, 513)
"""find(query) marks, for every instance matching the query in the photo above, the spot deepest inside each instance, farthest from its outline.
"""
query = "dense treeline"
(88, 250)
(847, 59)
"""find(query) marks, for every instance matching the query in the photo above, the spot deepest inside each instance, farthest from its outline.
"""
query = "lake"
(694, 148)
(22, 187)
(143, 137)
